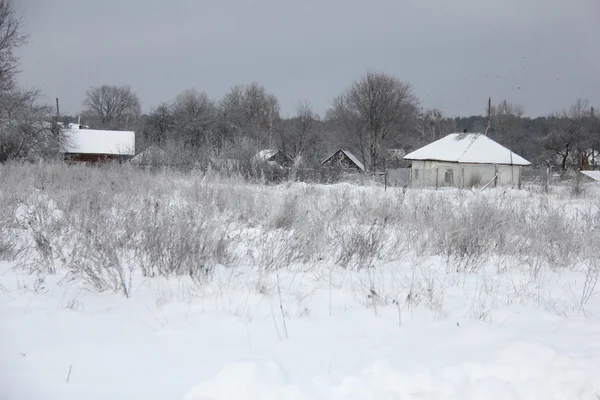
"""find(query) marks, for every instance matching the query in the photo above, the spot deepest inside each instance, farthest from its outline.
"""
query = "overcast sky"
(543, 54)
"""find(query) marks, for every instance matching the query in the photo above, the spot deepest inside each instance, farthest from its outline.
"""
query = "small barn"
(273, 157)
(344, 159)
(93, 146)
(466, 160)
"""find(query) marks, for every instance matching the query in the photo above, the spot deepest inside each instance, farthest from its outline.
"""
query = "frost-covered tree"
(25, 130)
(375, 111)
(11, 38)
(571, 135)
(194, 119)
(111, 106)
(159, 124)
(432, 125)
(249, 111)
(301, 135)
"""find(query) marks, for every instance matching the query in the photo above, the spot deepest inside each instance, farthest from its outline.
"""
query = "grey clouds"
(543, 54)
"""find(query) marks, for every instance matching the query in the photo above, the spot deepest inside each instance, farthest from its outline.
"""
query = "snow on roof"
(151, 154)
(354, 159)
(92, 141)
(265, 155)
(595, 175)
(351, 156)
(474, 148)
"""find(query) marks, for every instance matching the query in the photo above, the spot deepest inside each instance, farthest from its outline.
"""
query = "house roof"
(595, 175)
(351, 156)
(472, 148)
(92, 141)
(151, 154)
(265, 155)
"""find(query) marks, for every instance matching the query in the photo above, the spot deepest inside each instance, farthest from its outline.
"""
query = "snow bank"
(519, 371)
(247, 381)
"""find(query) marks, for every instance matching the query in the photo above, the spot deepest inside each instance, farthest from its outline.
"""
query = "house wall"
(463, 175)
(93, 158)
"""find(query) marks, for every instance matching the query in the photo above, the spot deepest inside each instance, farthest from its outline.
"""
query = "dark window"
(449, 177)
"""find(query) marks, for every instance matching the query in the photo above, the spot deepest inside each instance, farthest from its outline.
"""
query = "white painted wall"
(463, 175)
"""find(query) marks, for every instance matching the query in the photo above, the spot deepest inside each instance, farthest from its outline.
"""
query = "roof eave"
(96, 154)
(464, 162)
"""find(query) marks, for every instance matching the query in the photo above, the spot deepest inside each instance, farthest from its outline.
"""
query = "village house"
(466, 160)
(80, 144)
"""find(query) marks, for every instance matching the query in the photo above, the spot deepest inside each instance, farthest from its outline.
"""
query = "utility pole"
(594, 138)
(57, 126)
(487, 130)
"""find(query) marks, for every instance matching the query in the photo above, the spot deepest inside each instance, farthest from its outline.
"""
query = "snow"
(403, 329)
(595, 175)
(472, 148)
(265, 155)
(262, 380)
(175, 340)
(92, 141)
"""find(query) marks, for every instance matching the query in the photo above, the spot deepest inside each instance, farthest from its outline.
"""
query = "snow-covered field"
(120, 284)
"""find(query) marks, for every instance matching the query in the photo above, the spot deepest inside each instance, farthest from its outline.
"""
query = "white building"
(466, 160)
(80, 144)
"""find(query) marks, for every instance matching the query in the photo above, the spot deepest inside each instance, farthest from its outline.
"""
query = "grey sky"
(540, 53)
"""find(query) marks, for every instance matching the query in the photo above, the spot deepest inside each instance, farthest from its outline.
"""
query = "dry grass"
(105, 224)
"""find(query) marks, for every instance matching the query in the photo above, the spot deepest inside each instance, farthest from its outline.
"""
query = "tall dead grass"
(104, 224)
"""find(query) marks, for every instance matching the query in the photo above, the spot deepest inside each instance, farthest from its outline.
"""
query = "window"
(449, 177)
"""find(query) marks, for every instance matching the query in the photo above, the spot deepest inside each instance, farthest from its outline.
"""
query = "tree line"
(373, 115)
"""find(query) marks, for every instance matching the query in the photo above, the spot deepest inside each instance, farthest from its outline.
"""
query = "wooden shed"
(344, 159)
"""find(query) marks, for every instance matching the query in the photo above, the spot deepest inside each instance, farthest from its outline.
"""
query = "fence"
(438, 178)
(443, 178)
(429, 178)
(548, 176)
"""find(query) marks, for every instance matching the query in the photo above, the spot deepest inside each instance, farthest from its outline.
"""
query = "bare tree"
(159, 123)
(252, 112)
(194, 119)
(375, 111)
(231, 110)
(580, 113)
(111, 107)
(507, 123)
(432, 125)
(11, 38)
(506, 108)
(570, 135)
(25, 132)
(300, 135)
